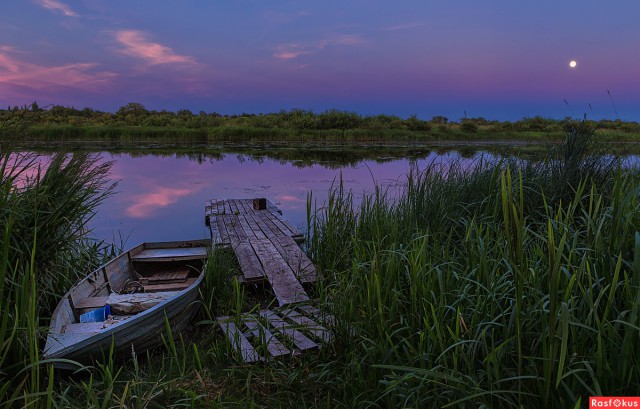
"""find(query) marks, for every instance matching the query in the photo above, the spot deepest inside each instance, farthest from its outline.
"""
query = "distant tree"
(132, 108)
(185, 114)
(439, 120)
(416, 124)
(133, 113)
(469, 127)
(334, 119)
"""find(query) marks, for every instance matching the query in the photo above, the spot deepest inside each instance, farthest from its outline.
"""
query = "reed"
(503, 284)
(43, 248)
(476, 287)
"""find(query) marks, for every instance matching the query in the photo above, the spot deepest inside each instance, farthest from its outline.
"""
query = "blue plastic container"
(98, 315)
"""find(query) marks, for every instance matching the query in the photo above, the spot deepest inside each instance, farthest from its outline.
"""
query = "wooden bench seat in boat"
(178, 275)
(171, 254)
(157, 283)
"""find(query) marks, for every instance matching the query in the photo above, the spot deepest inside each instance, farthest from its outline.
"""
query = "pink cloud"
(57, 5)
(137, 45)
(15, 72)
(289, 51)
(144, 205)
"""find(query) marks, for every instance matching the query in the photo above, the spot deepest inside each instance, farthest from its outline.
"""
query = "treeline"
(136, 115)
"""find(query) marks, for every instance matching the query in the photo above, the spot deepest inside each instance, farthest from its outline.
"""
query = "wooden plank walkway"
(265, 244)
(267, 249)
(274, 333)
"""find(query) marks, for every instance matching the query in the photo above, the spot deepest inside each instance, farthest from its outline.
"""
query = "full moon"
(573, 64)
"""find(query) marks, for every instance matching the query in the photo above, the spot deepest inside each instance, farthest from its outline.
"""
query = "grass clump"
(43, 249)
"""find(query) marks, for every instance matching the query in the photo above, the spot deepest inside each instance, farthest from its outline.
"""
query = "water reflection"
(163, 197)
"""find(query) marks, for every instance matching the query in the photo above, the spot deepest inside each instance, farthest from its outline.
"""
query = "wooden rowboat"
(127, 302)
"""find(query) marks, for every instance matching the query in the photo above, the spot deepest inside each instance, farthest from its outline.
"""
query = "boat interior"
(129, 284)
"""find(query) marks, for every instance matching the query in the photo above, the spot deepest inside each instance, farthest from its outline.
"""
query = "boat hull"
(136, 333)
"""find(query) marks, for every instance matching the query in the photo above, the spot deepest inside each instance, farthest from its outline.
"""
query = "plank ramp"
(265, 244)
(274, 333)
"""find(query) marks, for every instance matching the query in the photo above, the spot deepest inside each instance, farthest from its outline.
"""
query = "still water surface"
(162, 198)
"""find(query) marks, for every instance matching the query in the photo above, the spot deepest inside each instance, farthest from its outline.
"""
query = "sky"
(497, 59)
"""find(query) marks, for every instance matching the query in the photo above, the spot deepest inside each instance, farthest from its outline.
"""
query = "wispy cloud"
(57, 5)
(406, 26)
(136, 44)
(16, 72)
(345, 39)
(291, 51)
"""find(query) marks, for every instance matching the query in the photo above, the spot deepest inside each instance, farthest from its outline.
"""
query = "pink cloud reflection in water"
(162, 198)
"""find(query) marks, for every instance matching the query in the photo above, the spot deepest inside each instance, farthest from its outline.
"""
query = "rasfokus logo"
(614, 402)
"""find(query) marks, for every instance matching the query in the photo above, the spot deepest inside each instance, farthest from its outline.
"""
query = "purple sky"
(501, 59)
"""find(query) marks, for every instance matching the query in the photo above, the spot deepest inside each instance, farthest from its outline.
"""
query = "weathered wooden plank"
(274, 346)
(231, 224)
(316, 329)
(315, 312)
(272, 207)
(283, 281)
(293, 232)
(302, 267)
(244, 206)
(294, 252)
(216, 207)
(91, 302)
(233, 203)
(250, 264)
(281, 228)
(301, 341)
(152, 288)
(225, 237)
(187, 253)
(221, 207)
(214, 230)
(180, 274)
(239, 342)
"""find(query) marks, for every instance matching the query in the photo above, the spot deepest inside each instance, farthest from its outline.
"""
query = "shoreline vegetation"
(510, 284)
(134, 123)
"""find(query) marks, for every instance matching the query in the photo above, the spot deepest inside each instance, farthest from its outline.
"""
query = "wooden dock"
(267, 248)
(274, 333)
(265, 244)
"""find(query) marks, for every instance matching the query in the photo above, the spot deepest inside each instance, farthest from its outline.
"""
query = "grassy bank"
(143, 134)
(134, 123)
(510, 284)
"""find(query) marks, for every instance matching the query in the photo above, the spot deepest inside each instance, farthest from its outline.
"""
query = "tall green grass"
(502, 285)
(43, 249)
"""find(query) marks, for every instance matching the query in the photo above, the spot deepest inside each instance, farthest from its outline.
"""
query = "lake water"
(162, 197)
